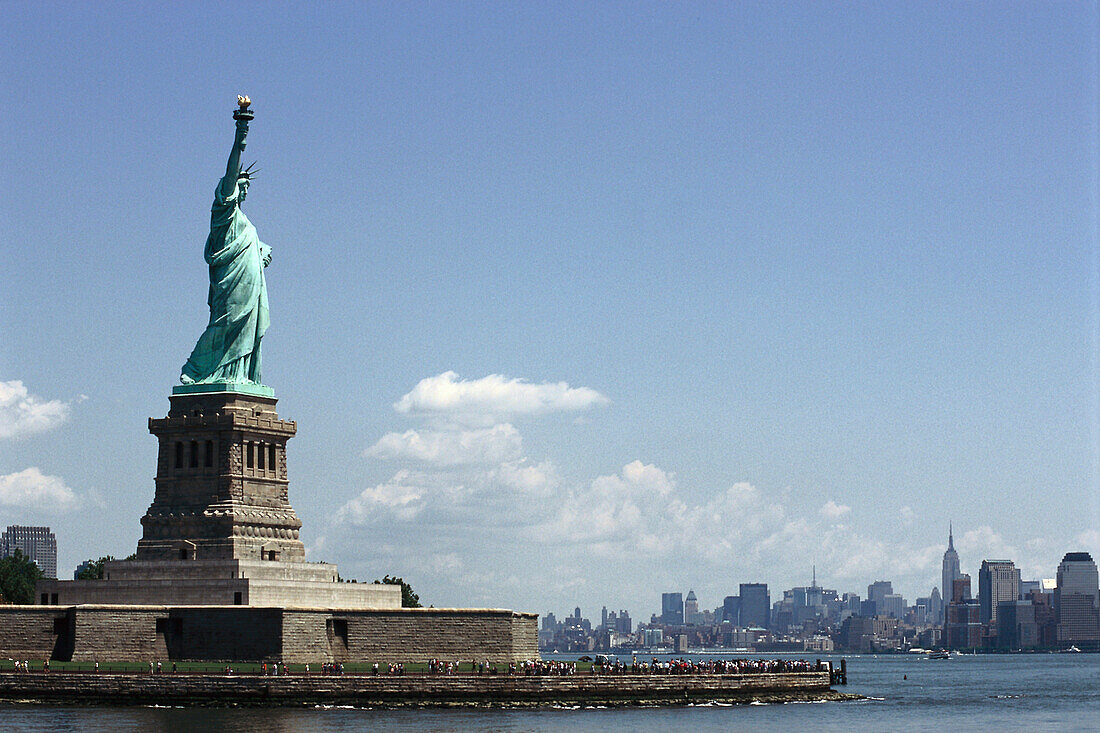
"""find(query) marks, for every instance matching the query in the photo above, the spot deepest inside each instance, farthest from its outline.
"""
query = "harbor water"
(1036, 692)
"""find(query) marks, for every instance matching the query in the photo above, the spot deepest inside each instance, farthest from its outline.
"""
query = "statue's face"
(242, 188)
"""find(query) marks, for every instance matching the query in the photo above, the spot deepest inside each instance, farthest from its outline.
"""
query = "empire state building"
(951, 570)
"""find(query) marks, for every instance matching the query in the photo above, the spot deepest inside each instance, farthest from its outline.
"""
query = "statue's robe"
(229, 349)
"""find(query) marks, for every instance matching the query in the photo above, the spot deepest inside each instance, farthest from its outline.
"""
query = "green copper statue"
(229, 350)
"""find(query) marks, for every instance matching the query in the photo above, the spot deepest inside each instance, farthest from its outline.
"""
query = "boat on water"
(939, 654)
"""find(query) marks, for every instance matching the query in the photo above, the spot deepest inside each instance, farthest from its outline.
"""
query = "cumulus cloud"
(526, 477)
(22, 413)
(31, 489)
(1088, 538)
(497, 444)
(448, 394)
(619, 513)
(986, 543)
(832, 510)
(402, 496)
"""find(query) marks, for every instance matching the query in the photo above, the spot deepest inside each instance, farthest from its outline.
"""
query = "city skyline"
(659, 610)
(630, 296)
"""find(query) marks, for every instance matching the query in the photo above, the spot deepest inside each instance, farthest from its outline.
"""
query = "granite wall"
(250, 633)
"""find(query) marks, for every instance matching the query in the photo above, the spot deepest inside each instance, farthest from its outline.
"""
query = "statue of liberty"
(229, 350)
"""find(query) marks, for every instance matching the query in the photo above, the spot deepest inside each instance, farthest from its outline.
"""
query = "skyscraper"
(951, 570)
(877, 592)
(962, 629)
(1077, 599)
(936, 607)
(36, 543)
(691, 609)
(731, 610)
(998, 580)
(672, 609)
(756, 605)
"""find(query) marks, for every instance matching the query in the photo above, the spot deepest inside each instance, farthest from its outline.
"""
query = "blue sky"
(672, 295)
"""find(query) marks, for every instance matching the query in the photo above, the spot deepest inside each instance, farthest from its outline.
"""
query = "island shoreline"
(412, 691)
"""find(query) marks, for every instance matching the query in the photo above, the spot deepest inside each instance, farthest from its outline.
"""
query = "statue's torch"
(243, 112)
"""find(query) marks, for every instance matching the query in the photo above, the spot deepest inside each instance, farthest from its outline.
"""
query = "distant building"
(877, 592)
(623, 624)
(731, 610)
(960, 588)
(963, 627)
(653, 637)
(867, 634)
(36, 543)
(951, 570)
(691, 610)
(998, 580)
(893, 604)
(1027, 586)
(1046, 620)
(672, 609)
(1077, 600)
(935, 607)
(1016, 625)
(755, 605)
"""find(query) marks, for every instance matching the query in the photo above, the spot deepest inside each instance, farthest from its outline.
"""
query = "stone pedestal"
(220, 530)
(221, 485)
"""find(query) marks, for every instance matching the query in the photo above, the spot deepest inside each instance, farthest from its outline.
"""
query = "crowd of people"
(704, 666)
(538, 667)
(549, 667)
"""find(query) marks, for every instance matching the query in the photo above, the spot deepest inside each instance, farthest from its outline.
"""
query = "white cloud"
(987, 544)
(447, 394)
(526, 477)
(402, 496)
(620, 513)
(832, 510)
(31, 489)
(907, 515)
(497, 444)
(1090, 538)
(21, 413)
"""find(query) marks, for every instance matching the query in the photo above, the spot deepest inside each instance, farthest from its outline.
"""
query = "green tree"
(17, 578)
(94, 571)
(409, 599)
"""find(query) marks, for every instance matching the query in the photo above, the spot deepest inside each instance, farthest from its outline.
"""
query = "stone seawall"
(412, 690)
(250, 633)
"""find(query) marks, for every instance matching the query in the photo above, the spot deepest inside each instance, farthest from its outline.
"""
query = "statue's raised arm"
(243, 115)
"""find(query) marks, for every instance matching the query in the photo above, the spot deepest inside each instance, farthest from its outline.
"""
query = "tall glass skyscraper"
(756, 605)
(672, 609)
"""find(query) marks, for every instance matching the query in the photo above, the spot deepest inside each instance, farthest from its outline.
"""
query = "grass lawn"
(8, 665)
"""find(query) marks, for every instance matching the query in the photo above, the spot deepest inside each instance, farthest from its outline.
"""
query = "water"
(1037, 692)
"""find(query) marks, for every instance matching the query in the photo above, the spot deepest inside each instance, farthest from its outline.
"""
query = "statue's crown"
(248, 173)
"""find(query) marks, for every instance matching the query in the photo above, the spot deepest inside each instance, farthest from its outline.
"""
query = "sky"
(575, 303)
